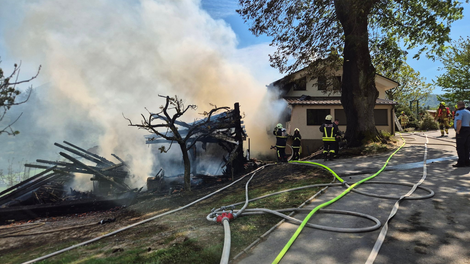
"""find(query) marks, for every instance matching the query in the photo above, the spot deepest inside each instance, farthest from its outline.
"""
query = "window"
(299, 84)
(316, 117)
(336, 81)
(381, 117)
(323, 83)
(341, 116)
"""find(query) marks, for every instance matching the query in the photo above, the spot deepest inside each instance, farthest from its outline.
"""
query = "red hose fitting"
(221, 217)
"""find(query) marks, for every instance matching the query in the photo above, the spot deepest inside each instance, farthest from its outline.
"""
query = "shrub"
(428, 123)
(385, 134)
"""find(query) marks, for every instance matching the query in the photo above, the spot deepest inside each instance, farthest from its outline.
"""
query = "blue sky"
(225, 9)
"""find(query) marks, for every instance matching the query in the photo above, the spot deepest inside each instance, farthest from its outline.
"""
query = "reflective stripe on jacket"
(328, 136)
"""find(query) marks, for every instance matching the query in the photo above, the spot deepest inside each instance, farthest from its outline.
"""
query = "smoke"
(105, 58)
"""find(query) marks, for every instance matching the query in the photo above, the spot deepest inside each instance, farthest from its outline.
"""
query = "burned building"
(222, 137)
(45, 193)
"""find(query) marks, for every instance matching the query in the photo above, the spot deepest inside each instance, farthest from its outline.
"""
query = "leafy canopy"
(306, 30)
(455, 81)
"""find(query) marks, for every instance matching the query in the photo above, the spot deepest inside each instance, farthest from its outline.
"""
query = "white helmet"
(279, 125)
(328, 117)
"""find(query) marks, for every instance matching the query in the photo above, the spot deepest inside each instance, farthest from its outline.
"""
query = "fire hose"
(143, 221)
(318, 208)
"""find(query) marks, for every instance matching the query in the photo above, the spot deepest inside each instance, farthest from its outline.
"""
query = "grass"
(186, 236)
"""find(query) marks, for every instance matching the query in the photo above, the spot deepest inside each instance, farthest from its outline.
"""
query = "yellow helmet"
(279, 125)
(328, 117)
(402, 112)
(443, 103)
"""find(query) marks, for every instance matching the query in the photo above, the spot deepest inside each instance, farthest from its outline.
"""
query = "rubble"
(46, 193)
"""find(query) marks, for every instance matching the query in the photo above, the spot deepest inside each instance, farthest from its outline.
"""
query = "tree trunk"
(187, 167)
(359, 93)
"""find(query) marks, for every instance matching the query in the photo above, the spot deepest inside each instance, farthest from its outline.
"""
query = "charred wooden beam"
(104, 160)
(29, 187)
(64, 167)
(37, 166)
(118, 158)
(95, 172)
(86, 156)
(60, 163)
(33, 178)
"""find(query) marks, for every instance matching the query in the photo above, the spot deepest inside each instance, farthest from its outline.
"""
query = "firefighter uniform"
(296, 144)
(330, 131)
(281, 141)
(443, 116)
(403, 120)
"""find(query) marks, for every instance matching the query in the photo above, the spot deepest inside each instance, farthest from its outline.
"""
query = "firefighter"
(403, 120)
(281, 141)
(329, 130)
(443, 116)
(296, 144)
(339, 138)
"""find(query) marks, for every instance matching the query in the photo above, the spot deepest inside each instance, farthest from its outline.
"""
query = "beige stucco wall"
(311, 135)
(382, 84)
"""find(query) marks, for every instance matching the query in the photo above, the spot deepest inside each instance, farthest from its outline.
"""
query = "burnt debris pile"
(48, 193)
(220, 136)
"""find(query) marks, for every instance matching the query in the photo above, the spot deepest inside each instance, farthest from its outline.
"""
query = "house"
(311, 99)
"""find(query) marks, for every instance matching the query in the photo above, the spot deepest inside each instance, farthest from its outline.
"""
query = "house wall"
(382, 84)
(311, 135)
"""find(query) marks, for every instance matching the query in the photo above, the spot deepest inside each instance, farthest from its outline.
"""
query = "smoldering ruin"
(51, 191)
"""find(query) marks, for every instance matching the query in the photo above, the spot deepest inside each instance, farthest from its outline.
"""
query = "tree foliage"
(412, 86)
(8, 95)
(168, 126)
(351, 30)
(455, 81)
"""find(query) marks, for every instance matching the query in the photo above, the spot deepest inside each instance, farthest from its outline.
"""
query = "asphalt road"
(424, 231)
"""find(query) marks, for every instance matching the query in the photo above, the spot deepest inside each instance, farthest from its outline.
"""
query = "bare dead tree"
(168, 128)
(8, 94)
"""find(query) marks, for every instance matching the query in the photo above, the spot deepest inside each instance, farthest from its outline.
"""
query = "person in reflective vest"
(403, 120)
(296, 144)
(443, 117)
(281, 141)
(330, 131)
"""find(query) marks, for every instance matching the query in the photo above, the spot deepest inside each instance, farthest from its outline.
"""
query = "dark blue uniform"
(281, 142)
(462, 137)
(329, 130)
(296, 145)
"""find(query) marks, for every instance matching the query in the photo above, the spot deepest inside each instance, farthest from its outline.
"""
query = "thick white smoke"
(103, 58)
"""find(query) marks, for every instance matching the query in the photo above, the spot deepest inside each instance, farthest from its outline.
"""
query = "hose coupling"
(221, 217)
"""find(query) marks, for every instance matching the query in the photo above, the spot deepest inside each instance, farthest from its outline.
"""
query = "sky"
(105, 59)
(226, 10)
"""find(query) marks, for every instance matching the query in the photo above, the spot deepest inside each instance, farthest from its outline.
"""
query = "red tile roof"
(323, 101)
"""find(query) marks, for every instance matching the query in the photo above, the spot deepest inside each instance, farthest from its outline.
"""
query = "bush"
(428, 123)
(385, 134)
(414, 123)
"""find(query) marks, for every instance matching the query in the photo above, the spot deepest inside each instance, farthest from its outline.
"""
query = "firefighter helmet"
(328, 117)
(402, 112)
(296, 129)
(279, 125)
(443, 103)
